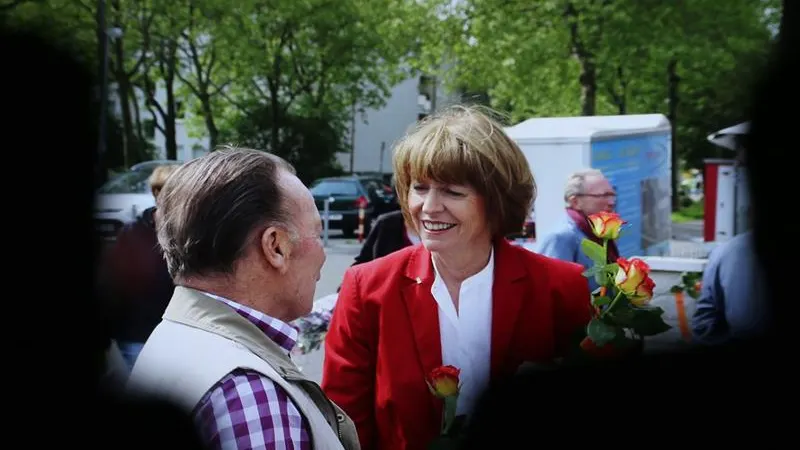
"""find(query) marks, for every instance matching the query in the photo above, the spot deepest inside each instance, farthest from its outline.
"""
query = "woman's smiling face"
(447, 215)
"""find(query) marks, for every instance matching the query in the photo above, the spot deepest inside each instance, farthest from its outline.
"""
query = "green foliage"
(309, 143)
(691, 284)
(315, 59)
(301, 64)
(528, 56)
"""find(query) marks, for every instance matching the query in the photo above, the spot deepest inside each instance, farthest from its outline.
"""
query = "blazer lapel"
(423, 313)
(508, 291)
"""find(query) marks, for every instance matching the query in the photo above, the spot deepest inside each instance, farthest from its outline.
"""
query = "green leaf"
(601, 277)
(600, 332)
(622, 315)
(601, 300)
(592, 271)
(647, 321)
(594, 251)
(611, 269)
(675, 289)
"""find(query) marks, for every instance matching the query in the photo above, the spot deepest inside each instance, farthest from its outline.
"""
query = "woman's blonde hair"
(159, 177)
(466, 145)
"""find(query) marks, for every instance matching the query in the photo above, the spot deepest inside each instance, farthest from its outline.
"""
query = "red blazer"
(384, 336)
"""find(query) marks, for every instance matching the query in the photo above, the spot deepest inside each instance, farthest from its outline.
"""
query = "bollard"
(326, 213)
(362, 204)
(361, 224)
(683, 320)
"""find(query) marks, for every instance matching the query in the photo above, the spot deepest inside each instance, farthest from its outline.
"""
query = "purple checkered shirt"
(246, 410)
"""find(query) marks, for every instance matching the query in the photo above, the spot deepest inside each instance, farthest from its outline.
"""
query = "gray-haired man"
(241, 237)
(587, 192)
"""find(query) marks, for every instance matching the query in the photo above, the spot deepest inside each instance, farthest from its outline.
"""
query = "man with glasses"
(587, 192)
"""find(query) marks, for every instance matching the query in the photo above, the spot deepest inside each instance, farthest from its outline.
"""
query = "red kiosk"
(725, 191)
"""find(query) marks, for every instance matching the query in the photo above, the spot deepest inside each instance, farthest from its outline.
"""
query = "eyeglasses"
(606, 195)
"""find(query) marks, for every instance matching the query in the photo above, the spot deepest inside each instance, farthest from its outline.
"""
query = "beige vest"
(201, 340)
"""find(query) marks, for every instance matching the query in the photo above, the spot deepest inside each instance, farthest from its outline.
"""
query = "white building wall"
(384, 126)
(381, 128)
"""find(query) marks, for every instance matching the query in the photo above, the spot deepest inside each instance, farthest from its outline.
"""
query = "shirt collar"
(277, 330)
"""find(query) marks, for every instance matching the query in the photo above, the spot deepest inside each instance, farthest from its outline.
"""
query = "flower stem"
(613, 302)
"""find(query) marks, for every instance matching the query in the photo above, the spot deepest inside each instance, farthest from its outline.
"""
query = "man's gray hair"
(210, 208)
(577, 181)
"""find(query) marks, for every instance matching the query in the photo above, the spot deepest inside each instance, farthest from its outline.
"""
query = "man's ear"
(276, 247)
(573, 201)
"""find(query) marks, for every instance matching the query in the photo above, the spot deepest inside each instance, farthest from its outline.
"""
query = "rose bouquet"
(621, 314)
(444, 384)
(311, 330)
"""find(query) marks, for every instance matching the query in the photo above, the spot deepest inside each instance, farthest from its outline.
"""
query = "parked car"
(151, 165)
(123, 198)
(349, 193)
(528, 231)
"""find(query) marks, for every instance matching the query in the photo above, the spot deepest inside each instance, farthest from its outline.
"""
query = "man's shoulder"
(564, 232)
(392, 216)
(566, 229)
(246, 396)
(391, 220)
(732, 248)
(245, 385)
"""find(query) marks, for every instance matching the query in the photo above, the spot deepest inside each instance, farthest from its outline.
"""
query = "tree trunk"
(170, 139)
(170, 63)
(588, 76)
(588, 80)
(672, 89)
(123, 88)
(137, 120)
(211, 126)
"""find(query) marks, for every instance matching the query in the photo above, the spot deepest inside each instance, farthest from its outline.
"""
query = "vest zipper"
(339, 417)
(339, 420)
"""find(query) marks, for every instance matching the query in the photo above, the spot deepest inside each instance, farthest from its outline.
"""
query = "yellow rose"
(633, 280)
(606, 225)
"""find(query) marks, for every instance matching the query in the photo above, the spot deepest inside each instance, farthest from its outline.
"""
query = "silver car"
(122, 199)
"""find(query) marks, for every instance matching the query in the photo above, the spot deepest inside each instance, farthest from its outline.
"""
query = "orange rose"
(633, 279)
(606, 225)
(443, 381)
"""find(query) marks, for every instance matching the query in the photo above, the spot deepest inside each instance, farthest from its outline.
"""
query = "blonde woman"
(136, 281)
(464, 296)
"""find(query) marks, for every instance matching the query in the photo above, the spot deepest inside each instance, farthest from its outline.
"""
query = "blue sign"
(639, 169)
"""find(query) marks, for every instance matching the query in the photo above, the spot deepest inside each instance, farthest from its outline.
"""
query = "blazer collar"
(507, 263)
(508, 292)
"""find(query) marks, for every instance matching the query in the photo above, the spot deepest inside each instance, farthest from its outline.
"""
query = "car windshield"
(133, 182)
(335, 188)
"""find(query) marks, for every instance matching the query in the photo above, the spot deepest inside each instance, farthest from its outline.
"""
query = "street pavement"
(691, 230)
(339, 256)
